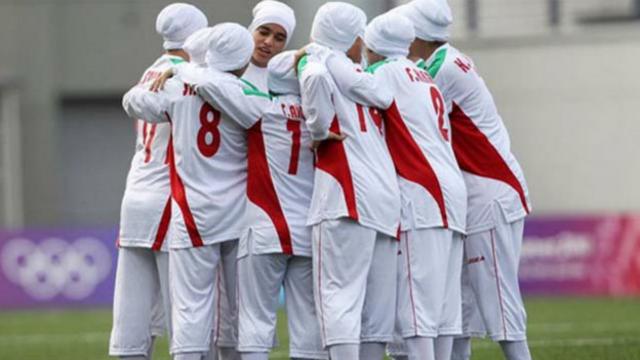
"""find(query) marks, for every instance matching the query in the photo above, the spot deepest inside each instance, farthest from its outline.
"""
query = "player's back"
(147, 190)
(355, 177)
(280, 179)
(208, 167)
(480, 140)
(417, 131)
(149, 167)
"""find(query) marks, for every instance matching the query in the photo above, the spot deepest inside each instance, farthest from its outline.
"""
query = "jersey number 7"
(294, 127)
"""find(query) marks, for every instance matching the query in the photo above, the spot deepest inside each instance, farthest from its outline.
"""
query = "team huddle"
(383, 198)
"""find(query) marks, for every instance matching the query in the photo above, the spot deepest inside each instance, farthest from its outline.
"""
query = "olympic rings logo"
(56, 267)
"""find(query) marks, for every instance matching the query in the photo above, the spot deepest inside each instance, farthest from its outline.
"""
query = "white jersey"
(208, 158)
(417, 133)
(355, 177)
(480, 141)
(146, 205)
(257, 77)
(280, 180)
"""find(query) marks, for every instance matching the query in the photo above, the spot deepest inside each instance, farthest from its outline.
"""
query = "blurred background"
(564, 74)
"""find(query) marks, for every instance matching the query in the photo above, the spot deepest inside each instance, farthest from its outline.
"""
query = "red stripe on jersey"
(410, 162)
(332, 158)
(363, 125)
(476, 154)
(260, 188)
(294, 127)
(144, 133)
(147, 146)
(179, 195)
(163, 226)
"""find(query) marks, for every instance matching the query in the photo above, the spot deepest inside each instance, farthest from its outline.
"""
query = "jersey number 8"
(209, 135)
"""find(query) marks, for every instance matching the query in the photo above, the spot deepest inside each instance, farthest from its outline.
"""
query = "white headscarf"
(431, 18)
(230, 47)
(274, 12)
(282, 78)
(389, 35)
(176, 22)
(197, 45)
(337, 25)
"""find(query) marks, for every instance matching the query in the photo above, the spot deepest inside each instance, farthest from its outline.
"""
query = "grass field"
(559, 329)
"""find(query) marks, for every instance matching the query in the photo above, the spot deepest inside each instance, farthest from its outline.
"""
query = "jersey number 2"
(438, 105)
(209, 135)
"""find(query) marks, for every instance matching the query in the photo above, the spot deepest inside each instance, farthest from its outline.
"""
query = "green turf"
(559, 329)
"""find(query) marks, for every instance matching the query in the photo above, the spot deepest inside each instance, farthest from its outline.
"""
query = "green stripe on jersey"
(373, 67)
(421, 64)
(176, 60)
(437, 62)
(251, 92)
(249, 84)
(302, 63)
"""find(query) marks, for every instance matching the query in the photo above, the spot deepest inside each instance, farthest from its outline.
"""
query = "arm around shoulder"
(140, 103)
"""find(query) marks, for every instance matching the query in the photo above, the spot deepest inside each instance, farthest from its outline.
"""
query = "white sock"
(344, 351)
(515, 350)
(188, 356)
(228, 353)
(372, 351)
(254, 356)
(443, 347)
(461, 349)
(133, 357)
(420, 348)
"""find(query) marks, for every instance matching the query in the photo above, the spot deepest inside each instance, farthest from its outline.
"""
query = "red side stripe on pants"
(179, 195)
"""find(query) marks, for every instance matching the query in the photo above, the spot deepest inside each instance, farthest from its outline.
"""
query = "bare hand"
(158, 84)
(332, 137)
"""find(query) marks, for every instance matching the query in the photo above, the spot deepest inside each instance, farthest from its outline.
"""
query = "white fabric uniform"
(498, 198)
(276, 248)
(225, 333)
(433, 200)
(492, 300)
(226, 311)
(139, 301)
(355, 177)
(257, 76)
(193, 295)
(208, 169)
(146, 201)
(207, 144)
(480, 141)
(144, 222)
(352, 296)
(280, 181)
(355, 209)
(429, 293)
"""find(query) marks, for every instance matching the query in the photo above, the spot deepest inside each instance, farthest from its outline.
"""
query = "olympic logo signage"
(56, 268)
